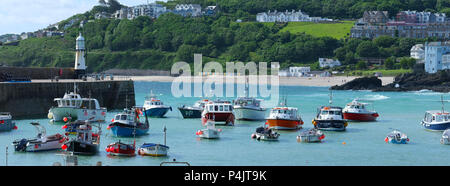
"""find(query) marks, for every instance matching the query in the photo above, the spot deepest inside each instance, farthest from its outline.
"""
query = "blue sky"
(17, 16)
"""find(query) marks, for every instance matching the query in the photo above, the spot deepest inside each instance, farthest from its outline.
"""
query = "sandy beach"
(289, 81)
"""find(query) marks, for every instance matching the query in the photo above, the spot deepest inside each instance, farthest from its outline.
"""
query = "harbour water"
(360, 144)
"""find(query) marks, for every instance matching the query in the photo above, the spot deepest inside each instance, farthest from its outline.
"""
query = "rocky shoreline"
(438, 82)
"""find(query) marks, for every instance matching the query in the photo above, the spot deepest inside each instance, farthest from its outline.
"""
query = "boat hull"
(263, 137)
(394, 141)
(157, 112)
(330, 125)
(190, 113)
(156, 150)
(445, 141)
(360, 116)
(121, 131)
(436, 127)
(208, 134)
(129, 150)
(58, 114)
(249, 114)
(281, 124)
(310, 139)
(80, 148)
(226, 118)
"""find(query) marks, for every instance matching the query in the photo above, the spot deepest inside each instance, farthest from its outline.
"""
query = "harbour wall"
(39, 73)
(34, 99)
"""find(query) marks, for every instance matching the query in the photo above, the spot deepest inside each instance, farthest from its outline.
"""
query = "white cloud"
(17, 16)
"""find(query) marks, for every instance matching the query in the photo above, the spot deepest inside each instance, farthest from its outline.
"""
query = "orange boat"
(284, 118)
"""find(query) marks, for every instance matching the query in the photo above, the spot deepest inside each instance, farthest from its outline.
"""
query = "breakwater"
(39, 73)
(30, 100)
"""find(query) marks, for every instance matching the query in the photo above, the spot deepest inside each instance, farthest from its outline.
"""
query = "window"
(216, 108)
(123, 117)
(117, 117)
(221, 108)
(211, 108)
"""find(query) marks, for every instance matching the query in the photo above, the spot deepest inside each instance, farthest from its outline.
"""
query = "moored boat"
(218, 111)
(86, 142)
(71, 127)
(121, 149)
(210, 132)
(194, 111)
(155, 107)
(248, 108)
(445, 137)
(77, 108)
(41, 142)
(330, 118)
(6, 123)
(358, 111)
(396, 137)
(266, 134)
(311, 135)
(154, 149)
(128, 124)
(284, 118)
(436, 120)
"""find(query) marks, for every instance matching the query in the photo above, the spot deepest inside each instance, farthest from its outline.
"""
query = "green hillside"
(334, 30)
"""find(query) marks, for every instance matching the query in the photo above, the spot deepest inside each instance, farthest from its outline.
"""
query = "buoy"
(220, 130)
(343, 143)
(64, 127)
(64, 146)
(112, 120)
(50, 115)
(65, 119)
(15, 127)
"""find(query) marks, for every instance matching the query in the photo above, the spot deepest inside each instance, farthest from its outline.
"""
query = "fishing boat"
(284, 118)
(330, 118)
(6, 123)
(71, 127)
(437, 120)
(266, 134)
(358, 111)
(218, 111)
(311, 135)
(248, 108)
(86, 141)
(396, 137)
(128, 124)
(72, 105)
(153, 149)
(41, 142)
(210, 132)
(445, 137)
(194, 111)
(121, 149)
(155, 107)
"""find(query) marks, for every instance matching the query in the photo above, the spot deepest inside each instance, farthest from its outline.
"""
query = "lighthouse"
(80, 61)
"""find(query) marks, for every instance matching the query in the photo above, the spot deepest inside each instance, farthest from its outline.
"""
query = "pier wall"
(33, 100)
(39, 73)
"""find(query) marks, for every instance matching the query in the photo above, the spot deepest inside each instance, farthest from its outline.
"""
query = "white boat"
(41, 142)
(77, 108)
(152, 149)
(247, 108)
(266, 134)
(445, 137)
(330, 118)
(210, 132)
(219, 111)
(397, 137)
(437, 120)
(357, 111)
(312, 135)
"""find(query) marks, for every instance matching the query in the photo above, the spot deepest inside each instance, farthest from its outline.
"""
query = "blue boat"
(155, 107)
(396, 137)
(127, 124)
(6, 123)
(436, 120)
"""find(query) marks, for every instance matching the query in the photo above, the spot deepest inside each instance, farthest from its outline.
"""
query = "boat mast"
(331, 97)
(442, 100)
(165, 129)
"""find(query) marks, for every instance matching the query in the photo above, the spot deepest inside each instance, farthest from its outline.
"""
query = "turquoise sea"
(361, 144)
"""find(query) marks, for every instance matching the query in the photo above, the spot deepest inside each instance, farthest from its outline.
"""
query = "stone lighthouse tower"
(80, 61)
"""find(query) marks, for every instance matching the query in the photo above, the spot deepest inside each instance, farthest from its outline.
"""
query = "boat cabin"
(200, 104)
(284, 112)
(219, 106)
(126, 117)
(247, 102)
(153, 102)
(436, 116)
(74, 100)
(330, 112)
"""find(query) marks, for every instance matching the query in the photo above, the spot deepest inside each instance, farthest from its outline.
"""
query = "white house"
(418, 53)
(437, 56)
(299, 71)
(286, 16)
(325, 62)
(193, 10)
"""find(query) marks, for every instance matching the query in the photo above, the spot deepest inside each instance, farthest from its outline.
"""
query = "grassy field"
(335, 30)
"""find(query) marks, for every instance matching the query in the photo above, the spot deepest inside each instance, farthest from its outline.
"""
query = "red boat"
(357, 111)
(218, 111)
(121, 149)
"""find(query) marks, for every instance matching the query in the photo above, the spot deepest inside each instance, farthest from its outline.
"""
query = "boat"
(284, 118)
(445, 137)
(72, 105)
(155, 107)
(121, 149)
(41, 142)
(248, 108)
(71, 127)
(396, 137)
(153, 149)
(330, 118)
(436, 120)
(311, 135)
(218, 111)
(210, 132)
(6, 123)
(194, 111)
(128, 124)
(358, 111)
(266, 134)
(86, 141)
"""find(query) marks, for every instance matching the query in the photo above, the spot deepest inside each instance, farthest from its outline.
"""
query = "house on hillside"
(437, 56)
(287, 16)
(193, 10)
(326, 62)
(418, 53)
(375, 17)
